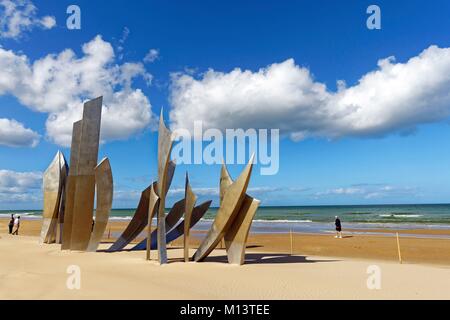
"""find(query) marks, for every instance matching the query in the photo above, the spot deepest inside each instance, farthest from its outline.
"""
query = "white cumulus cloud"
(396, 97)
(151, 56)
(20, 187)
(14, 134)
(12, 181)
(59, 84)
(18, 16)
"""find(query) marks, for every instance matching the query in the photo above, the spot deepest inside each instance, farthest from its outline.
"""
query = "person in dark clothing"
(11, 224)
(338, 225)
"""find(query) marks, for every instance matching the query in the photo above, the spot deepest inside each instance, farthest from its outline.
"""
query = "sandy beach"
(320, 268)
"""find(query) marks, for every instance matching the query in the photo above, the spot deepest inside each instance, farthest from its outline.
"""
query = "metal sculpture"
(137, 223)
(104, 183)
(165, 143)
(62, 209)
(177, 231)
(84, 196)
(141, 218)
(236, 237)
(232, 217)
(78, 229)
(154, 202)
(190, 200)
(70, 186)
(53, 185)
(197, 215)
(172, 218)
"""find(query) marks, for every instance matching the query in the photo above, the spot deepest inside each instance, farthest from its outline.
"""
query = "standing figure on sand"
(338, 225)
(11, 224)
(16, 226)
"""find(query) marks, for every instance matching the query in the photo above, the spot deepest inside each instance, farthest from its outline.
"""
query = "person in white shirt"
(16, 226)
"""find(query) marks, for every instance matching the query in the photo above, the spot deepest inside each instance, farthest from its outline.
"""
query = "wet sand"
(383, 247)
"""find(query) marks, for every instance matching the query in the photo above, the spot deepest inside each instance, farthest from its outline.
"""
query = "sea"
(317, 219)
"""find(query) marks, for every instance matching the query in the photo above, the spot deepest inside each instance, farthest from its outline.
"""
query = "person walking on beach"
(338, 225)
(11, 224)
(16, 226)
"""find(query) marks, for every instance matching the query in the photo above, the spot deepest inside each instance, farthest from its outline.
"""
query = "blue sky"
(396, 154)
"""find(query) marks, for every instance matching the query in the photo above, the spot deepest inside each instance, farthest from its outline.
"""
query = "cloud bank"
(58, 84)
(14, 134)
(396, 97)
(20, 186)
(19, 16)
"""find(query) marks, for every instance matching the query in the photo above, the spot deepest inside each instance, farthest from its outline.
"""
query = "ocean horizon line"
(288, 206)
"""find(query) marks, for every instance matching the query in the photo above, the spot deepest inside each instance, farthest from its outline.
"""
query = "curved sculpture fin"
(137, 223)
(178, 231)
(225, 181)
(53, 181)
(232, 201)
(104, 183)
(172, 218)
(236, 237)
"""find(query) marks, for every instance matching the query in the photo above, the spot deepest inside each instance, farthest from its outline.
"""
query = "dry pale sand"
(32, 271)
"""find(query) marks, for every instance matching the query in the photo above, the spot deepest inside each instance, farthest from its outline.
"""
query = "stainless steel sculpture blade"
(83, 205)
(152, 208)
(236, 237)
(62, 204)
(140, 217)
(165, 143)
(137, 223)
(172, 218)
(53, 181)
(178, 230)
(225, 182)
(191, 199)
(104, 182)
(67, 219)
(228, 210)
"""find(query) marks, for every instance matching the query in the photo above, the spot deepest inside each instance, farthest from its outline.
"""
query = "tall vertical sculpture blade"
(236, 237)
(53, 181)
(191, 199)
(178, 230)
(153, 206)
(67, 219)
(228, 210)
(104, 182)
(83, 207)
(165, 143)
